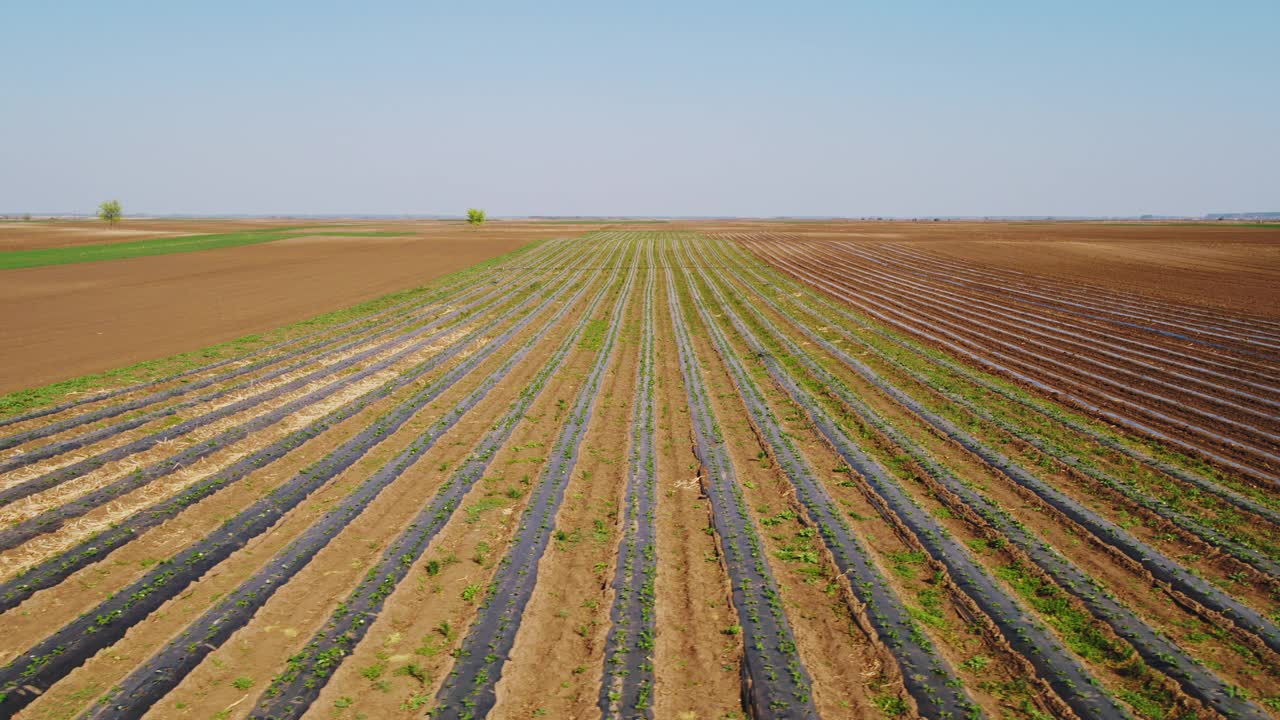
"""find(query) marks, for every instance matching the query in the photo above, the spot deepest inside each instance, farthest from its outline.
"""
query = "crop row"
(1155, 649)
(963, 387)
(928, 678)
(155, 678)
(1054, 663)
(1159, 566)
(1246, 448)
(293, 691)
(409, 315)
(1050, 377)
(458, 313)
(1149, 362)
(468, 691)
(1016, 506)
(52, 519)
(775, 680)
(1096, 300)
(1151, 359)
(23, 678)
(626, 689)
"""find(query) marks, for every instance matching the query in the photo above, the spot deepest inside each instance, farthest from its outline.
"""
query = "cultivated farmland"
(92, 317)
(715, 472)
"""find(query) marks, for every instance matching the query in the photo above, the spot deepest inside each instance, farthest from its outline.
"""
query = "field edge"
(34, 398)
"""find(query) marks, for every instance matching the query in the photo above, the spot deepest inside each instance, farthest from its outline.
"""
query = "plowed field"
(667, 474)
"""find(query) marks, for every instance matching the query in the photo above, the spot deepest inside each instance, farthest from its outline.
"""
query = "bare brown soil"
(954, 634)
(69, 320)
(1224, 265)
(1204, 380)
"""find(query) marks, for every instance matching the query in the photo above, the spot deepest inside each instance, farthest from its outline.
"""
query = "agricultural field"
(695, 471)
(78, 298)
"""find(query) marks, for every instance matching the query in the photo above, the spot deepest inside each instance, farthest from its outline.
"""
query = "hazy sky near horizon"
(656, 108)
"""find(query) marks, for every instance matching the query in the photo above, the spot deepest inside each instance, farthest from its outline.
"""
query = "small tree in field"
(475, 216)
(110, 212)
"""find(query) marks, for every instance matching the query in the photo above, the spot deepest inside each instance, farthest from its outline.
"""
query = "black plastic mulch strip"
(626, 690)
(53, 518)
(354, 338)
(56, 477)
(103, 433)
(368, 330)
(775, 683)
(22, 437)
(1224, 493)
(1155, 649)
(468, 691)
(1260, 472)
(70, 472)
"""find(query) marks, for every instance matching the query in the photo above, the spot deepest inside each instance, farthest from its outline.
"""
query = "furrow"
(448, 283)
(1004, 366)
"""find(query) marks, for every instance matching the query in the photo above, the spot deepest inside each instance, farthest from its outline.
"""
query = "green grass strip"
(16, 259)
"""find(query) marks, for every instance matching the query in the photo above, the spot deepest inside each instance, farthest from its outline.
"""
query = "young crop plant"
(1125, 367)
(963, 388)
(1070, 678)
(27, 405)
(51, 519)
(1155, 649)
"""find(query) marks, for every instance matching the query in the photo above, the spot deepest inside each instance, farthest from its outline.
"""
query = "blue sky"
(657, 108)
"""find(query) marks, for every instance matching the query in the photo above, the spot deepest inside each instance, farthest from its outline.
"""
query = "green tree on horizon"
(475, 216)
(110, 212)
